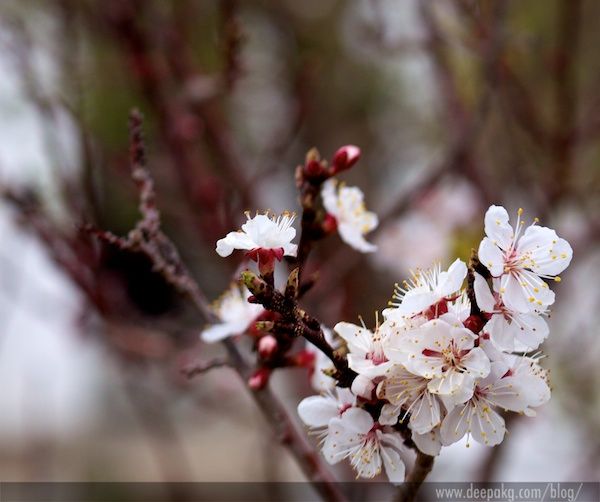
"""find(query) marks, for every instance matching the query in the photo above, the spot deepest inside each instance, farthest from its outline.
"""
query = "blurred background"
(456, 104)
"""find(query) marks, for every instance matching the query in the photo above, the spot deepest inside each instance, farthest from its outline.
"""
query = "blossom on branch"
(346, 206)
(442, 351)
(428, 292)
(263, 237)
(234, 312)
(522, 259)
(369, 446)
(366, 353)
(503, 388)
(505, 326)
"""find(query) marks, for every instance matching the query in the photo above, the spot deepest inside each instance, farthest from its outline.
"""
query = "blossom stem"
(423, 465)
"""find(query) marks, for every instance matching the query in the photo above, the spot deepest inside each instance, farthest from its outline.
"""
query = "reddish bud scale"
(436, 310)
(474, 323)
(262, 255)
(329, 224)
(265, 258)
(313, 169)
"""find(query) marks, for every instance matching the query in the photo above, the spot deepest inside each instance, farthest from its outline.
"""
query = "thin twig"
(200, 368)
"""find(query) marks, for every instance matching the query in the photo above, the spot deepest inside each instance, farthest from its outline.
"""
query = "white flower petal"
(514, 296)
(317, 411)
(530, 329)
(476, 363)
(393, 464)
(429, 443)
(363, 386)
(357, 420)
(359, 339)
(483, 295)
(491, 257)
(425, 413)
(487, 426)
(502, 334)
(456, 424)
(417, 300)
(329, 196)
(497, 227)
(353, 236)
(451, 281)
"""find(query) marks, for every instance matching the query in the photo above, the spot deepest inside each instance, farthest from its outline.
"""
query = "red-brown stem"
(423, 465)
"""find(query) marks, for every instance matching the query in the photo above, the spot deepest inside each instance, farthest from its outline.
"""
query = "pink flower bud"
(267, 346)
(259, 379)
(345, 158)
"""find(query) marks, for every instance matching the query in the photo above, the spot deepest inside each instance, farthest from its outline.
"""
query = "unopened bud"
(259, 379)
(267, 346)
(345, 158)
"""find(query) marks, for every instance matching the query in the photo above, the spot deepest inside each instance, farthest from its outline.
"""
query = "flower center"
(451, 355)
(378, 357)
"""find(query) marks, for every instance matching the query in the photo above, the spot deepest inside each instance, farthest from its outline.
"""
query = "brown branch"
(147, 237)
(303, 324)
(423, 465)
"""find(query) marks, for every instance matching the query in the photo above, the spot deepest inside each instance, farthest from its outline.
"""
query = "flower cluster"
(455, 350)
(447, 360)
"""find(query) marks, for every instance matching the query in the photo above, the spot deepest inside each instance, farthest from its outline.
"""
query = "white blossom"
(442, 351)
(427, 292)
(505, 388)
(366, 353)
(346, 205)
(317, 411)
(262, 232)
(368, 446)
(522, 259)
(234, 312)
(409, 392)
(505, 326)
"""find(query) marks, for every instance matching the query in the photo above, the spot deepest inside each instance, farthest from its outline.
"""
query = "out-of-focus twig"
(147, 237)
(200, 368)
